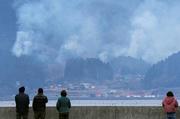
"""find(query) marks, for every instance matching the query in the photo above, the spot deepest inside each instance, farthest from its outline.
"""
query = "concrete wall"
(96, 113)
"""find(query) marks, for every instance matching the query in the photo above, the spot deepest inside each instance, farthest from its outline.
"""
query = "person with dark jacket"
(63, 105)
(170, 105)
(22, 104)
(39, 105)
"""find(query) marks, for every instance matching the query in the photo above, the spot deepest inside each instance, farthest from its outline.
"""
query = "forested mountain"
(87, 69)
(129, 65)
(95, 69)
(165, 73)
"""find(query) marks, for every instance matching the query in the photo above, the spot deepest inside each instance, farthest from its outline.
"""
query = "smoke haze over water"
(60, 29)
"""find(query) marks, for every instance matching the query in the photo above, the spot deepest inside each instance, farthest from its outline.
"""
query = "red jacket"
(170, 104)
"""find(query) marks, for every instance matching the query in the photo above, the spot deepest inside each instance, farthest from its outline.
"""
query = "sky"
(55, 30)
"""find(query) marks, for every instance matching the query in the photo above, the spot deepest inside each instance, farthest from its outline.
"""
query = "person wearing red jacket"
(170, 105)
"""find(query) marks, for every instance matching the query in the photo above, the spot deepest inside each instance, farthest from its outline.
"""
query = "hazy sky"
(59, 29)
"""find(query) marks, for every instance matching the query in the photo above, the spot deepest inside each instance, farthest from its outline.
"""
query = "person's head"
(170, 94)
(63, 93)
(21, 89)
(40, 91)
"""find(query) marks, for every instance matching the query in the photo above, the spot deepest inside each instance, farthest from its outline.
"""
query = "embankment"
(97, 112)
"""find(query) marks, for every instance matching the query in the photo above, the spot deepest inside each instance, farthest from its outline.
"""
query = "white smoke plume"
(156, 27)
(59, 29)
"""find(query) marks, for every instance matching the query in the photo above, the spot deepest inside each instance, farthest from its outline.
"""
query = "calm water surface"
(96, 103)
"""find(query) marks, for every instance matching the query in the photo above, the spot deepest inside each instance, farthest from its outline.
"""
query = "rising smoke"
(105, 29)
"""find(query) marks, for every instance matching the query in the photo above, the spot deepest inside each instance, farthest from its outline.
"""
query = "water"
(96, 103)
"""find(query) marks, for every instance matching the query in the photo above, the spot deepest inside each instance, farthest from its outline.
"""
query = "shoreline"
(52, 103)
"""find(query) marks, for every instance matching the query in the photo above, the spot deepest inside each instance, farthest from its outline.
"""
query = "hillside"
(129, 66)
(87, 69)
(165, 73)
(95, 69)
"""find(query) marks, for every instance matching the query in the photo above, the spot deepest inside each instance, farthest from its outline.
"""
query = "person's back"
(63, 105)
(22, 104)
(170, 105)
(39, 104)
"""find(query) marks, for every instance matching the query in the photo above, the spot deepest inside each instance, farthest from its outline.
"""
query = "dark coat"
(39, 102)
(22, 103)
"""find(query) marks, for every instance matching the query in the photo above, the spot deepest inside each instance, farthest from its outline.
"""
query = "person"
(39, 105)
(22, 104)
(170, 105)
(63, 105)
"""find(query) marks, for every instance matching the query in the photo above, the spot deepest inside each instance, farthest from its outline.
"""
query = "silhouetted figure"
(22, 104)
(39, 105)
(63, 105)
(170, 105)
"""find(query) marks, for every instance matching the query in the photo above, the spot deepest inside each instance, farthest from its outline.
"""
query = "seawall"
(97, 112)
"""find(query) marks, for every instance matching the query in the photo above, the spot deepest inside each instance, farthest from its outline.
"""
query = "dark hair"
(170, 94)
(63, 93)
(40, 90)
(22, 89)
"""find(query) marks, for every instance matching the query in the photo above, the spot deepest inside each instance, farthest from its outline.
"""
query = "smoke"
(59, 29)
(155, 33)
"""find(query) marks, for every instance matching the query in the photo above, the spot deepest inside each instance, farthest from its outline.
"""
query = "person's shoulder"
(60, 98)
(36, 96)
(67, 98)
(26, 95)
(44, 96)
(17, 95)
